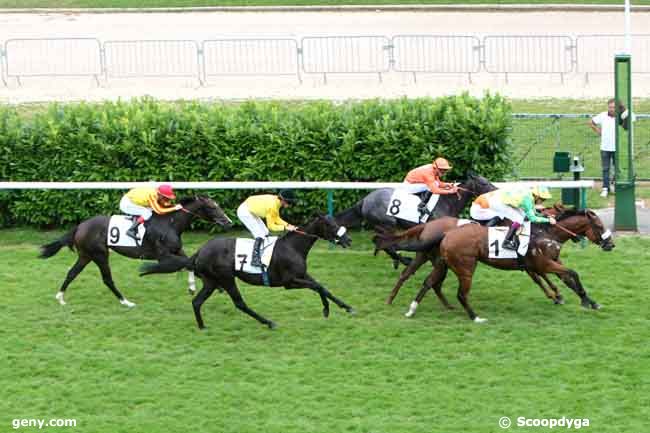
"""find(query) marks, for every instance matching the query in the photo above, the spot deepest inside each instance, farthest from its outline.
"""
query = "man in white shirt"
(604, 124)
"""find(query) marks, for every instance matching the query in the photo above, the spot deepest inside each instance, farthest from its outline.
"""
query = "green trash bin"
(561, 162)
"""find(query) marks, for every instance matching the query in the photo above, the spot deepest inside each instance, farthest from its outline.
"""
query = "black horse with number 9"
(162, 241)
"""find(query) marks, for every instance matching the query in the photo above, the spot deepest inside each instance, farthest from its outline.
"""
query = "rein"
(300, 232)
(569, 232)
(198, 216)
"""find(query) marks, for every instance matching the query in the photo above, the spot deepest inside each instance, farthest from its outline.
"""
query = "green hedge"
(150, 140)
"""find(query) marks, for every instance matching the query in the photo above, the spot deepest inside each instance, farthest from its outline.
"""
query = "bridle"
(604, 236)
(199, 216)
(339, 234)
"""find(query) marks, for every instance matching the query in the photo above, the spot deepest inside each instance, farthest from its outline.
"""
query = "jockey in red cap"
(142, 201)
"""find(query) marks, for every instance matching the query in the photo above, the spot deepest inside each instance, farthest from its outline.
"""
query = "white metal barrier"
(260, 185)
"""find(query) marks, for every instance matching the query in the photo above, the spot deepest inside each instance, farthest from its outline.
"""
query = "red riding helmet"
(166, 191)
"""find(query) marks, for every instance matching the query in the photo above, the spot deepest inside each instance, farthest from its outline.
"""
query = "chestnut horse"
(461, 248)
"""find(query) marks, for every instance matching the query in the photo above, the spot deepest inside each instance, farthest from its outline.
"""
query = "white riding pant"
(497, 209)
(414, 188)
(253, 223)
(130, 208)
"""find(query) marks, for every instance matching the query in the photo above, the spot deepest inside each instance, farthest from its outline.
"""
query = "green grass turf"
(195, 3)
(149, 369)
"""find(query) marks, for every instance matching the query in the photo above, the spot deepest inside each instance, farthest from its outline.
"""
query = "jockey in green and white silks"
(516, 204)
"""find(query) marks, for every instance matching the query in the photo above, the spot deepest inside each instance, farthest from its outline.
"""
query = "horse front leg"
(559, 299)
(572, 280)
(536, 278)
(191, 280)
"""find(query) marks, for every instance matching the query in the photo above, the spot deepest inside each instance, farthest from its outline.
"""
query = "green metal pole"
(330, 208)
(625, 211)
(330, 202)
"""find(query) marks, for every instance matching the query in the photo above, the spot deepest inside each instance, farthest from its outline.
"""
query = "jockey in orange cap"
(142, 201)
(430, 175)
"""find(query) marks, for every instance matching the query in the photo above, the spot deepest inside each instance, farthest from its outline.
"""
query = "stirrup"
(132, 234)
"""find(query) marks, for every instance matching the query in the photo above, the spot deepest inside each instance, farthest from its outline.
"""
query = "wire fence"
(536, 137)
(324, 55)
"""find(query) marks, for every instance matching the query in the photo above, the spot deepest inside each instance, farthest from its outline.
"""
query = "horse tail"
(52, 248)
(384, 239)
(168, 265)
(417, 245)
(350, 217)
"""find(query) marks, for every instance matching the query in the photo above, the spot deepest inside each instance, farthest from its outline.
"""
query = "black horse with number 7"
(215, 263)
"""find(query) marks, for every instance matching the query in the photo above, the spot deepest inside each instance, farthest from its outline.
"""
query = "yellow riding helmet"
(441, 164)
(542, 192)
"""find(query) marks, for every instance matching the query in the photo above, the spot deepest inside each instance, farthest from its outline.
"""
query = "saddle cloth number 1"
(496, 235)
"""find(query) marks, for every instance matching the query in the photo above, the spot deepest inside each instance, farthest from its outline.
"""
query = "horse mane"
(187, 200)
(567, 213)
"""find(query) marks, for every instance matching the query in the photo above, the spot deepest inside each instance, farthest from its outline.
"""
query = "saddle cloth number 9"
(117, 237)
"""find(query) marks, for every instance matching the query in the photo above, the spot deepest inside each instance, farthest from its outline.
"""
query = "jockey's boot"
(132, 232)
(422, 206)
(256, 260)
(511, 242)
(495, 221)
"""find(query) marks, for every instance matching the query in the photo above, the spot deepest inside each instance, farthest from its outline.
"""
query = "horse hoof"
(59, 297)
(596, 306)
(127, 303)
(192, 292)
(326, 313)
(272, 325)
(558, 301)
(479, 320)
(395, 264)
(409, 314)
(351, 310)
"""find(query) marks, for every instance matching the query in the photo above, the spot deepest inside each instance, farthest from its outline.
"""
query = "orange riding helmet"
(441, 164)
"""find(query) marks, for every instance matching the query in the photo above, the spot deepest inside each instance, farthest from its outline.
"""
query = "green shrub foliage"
(149, 140)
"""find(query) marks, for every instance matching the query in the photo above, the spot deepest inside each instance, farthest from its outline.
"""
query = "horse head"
(587, 223)
(207, 209)
(476, 184)
(326, 227)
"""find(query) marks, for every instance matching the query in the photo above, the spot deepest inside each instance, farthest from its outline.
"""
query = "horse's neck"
(452, 205)
(300, 242)
(576, 224)
(180, 220)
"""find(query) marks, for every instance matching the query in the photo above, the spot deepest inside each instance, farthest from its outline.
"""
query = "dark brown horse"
(461, 248)
(161, 242)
